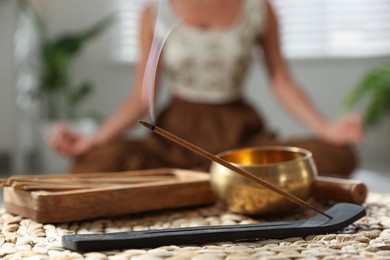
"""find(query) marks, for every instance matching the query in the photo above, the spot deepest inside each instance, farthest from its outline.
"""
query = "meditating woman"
(207, 54)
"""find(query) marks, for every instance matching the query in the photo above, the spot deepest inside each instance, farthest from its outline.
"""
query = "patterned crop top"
(209, 66)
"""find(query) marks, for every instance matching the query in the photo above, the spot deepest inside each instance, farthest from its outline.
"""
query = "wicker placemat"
(368, 238)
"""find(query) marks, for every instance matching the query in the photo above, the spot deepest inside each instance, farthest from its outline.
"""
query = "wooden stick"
(230, 166)
(93, 180)
(48, 187)
(89, 175)
(64, 186)
(124, 179)
(130, 174)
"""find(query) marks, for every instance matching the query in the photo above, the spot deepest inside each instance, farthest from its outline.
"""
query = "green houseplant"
(374, 88)
(60, 98)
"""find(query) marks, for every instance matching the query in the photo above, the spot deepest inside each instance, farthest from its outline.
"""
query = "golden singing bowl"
(290, 168)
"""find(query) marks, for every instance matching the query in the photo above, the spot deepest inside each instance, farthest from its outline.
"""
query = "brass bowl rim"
(307, 154)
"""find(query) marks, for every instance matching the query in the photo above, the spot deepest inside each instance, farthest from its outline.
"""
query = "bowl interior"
(263, 156)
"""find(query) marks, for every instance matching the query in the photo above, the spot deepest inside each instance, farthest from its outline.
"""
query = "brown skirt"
(215, 128)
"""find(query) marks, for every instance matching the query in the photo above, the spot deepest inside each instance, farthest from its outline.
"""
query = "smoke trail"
(149, 79)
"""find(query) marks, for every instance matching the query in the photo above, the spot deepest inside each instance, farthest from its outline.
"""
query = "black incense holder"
(343, 214)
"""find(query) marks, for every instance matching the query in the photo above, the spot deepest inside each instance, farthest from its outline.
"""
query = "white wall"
(326, 81)
(7, 77)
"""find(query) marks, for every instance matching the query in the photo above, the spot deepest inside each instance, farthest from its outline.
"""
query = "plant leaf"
(369, 82)
(377, 107)
(375, 86)
(73, 43)
(54, 68)
(80, 93)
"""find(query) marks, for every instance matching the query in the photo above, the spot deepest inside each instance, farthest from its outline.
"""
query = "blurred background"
(73, 61)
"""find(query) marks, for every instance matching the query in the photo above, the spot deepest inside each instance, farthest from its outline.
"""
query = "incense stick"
(75, 183)
(101, 180)
(230, 166)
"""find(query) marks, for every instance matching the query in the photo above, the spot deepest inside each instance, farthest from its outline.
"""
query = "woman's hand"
(347, 130)
(69, 143)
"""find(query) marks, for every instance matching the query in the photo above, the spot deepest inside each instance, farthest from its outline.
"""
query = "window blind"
(308, 28)
(334, 28)
(129, 14)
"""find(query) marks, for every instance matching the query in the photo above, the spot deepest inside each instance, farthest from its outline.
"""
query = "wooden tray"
(100, 196)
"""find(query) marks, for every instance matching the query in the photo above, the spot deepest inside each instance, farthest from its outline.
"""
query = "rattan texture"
(368, 238)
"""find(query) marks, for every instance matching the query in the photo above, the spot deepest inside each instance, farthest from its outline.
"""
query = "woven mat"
(368, 238)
